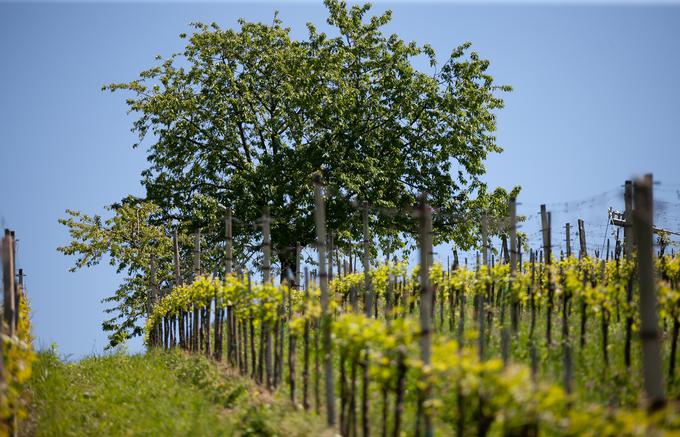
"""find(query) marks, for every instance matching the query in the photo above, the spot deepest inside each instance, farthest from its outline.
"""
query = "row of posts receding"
(638, 231)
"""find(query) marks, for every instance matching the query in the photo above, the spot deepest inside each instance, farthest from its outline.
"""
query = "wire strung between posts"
(605, 237)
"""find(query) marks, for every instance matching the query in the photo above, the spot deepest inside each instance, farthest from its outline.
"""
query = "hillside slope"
(154, 394)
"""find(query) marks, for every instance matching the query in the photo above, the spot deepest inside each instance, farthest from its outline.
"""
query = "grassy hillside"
(154, 394)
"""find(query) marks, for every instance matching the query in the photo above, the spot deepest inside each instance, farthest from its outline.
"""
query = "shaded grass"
(157, 393)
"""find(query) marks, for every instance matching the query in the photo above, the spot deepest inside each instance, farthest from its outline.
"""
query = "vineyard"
(320, 238)
(17, 356)
(565, 347)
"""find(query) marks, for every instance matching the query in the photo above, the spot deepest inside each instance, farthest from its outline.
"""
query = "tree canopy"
(128, 241)
(244, 117)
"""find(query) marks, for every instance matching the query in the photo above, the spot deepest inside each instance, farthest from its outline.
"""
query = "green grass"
(154, 394)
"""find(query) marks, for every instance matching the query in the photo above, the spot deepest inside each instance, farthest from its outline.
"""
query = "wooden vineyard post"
(228, 270)
(628, 218)
(292, 352)
(566, 344)
(480, 298)
(320, 219)
(204, 325)
(460, 298)
(567, 228)
(197, 273)
(583, 252)
(628, 250)
(350, 268)
(177, 283)
(330, 257)
(532, 323)
(175, 245)
(504, 250)
(389, 298)
(197, 254)
(652, 369)
(229, 260)
(298, 261)
(17, 315)
(151, 300)
(10, 309)
(520, 266)
(255, 366)
(545, 232)
(229, 255)
(266, 247)
(2, 359)
(606, 252)
(305, 362)
(9, 305)
(368, 302)
(266, 278)
(292, 337)
(338, 260)
(485, 240)
(206, 311)
(425, 216)
(547, 251)
(363, 361)
(512, 261)
(604, 320)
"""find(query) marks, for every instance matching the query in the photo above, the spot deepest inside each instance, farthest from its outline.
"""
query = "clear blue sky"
(596, 101)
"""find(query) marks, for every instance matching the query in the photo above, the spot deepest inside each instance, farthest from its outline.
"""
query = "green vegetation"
(239, 123)
(16, 363)
(158, 393)
(378, 371)
(242, 118)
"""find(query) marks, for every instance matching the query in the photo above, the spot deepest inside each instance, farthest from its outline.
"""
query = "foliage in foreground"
(468, 392)
(153, 394)
(18, 358)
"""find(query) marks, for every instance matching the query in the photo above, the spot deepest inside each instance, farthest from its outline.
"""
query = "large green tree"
(244, 117)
